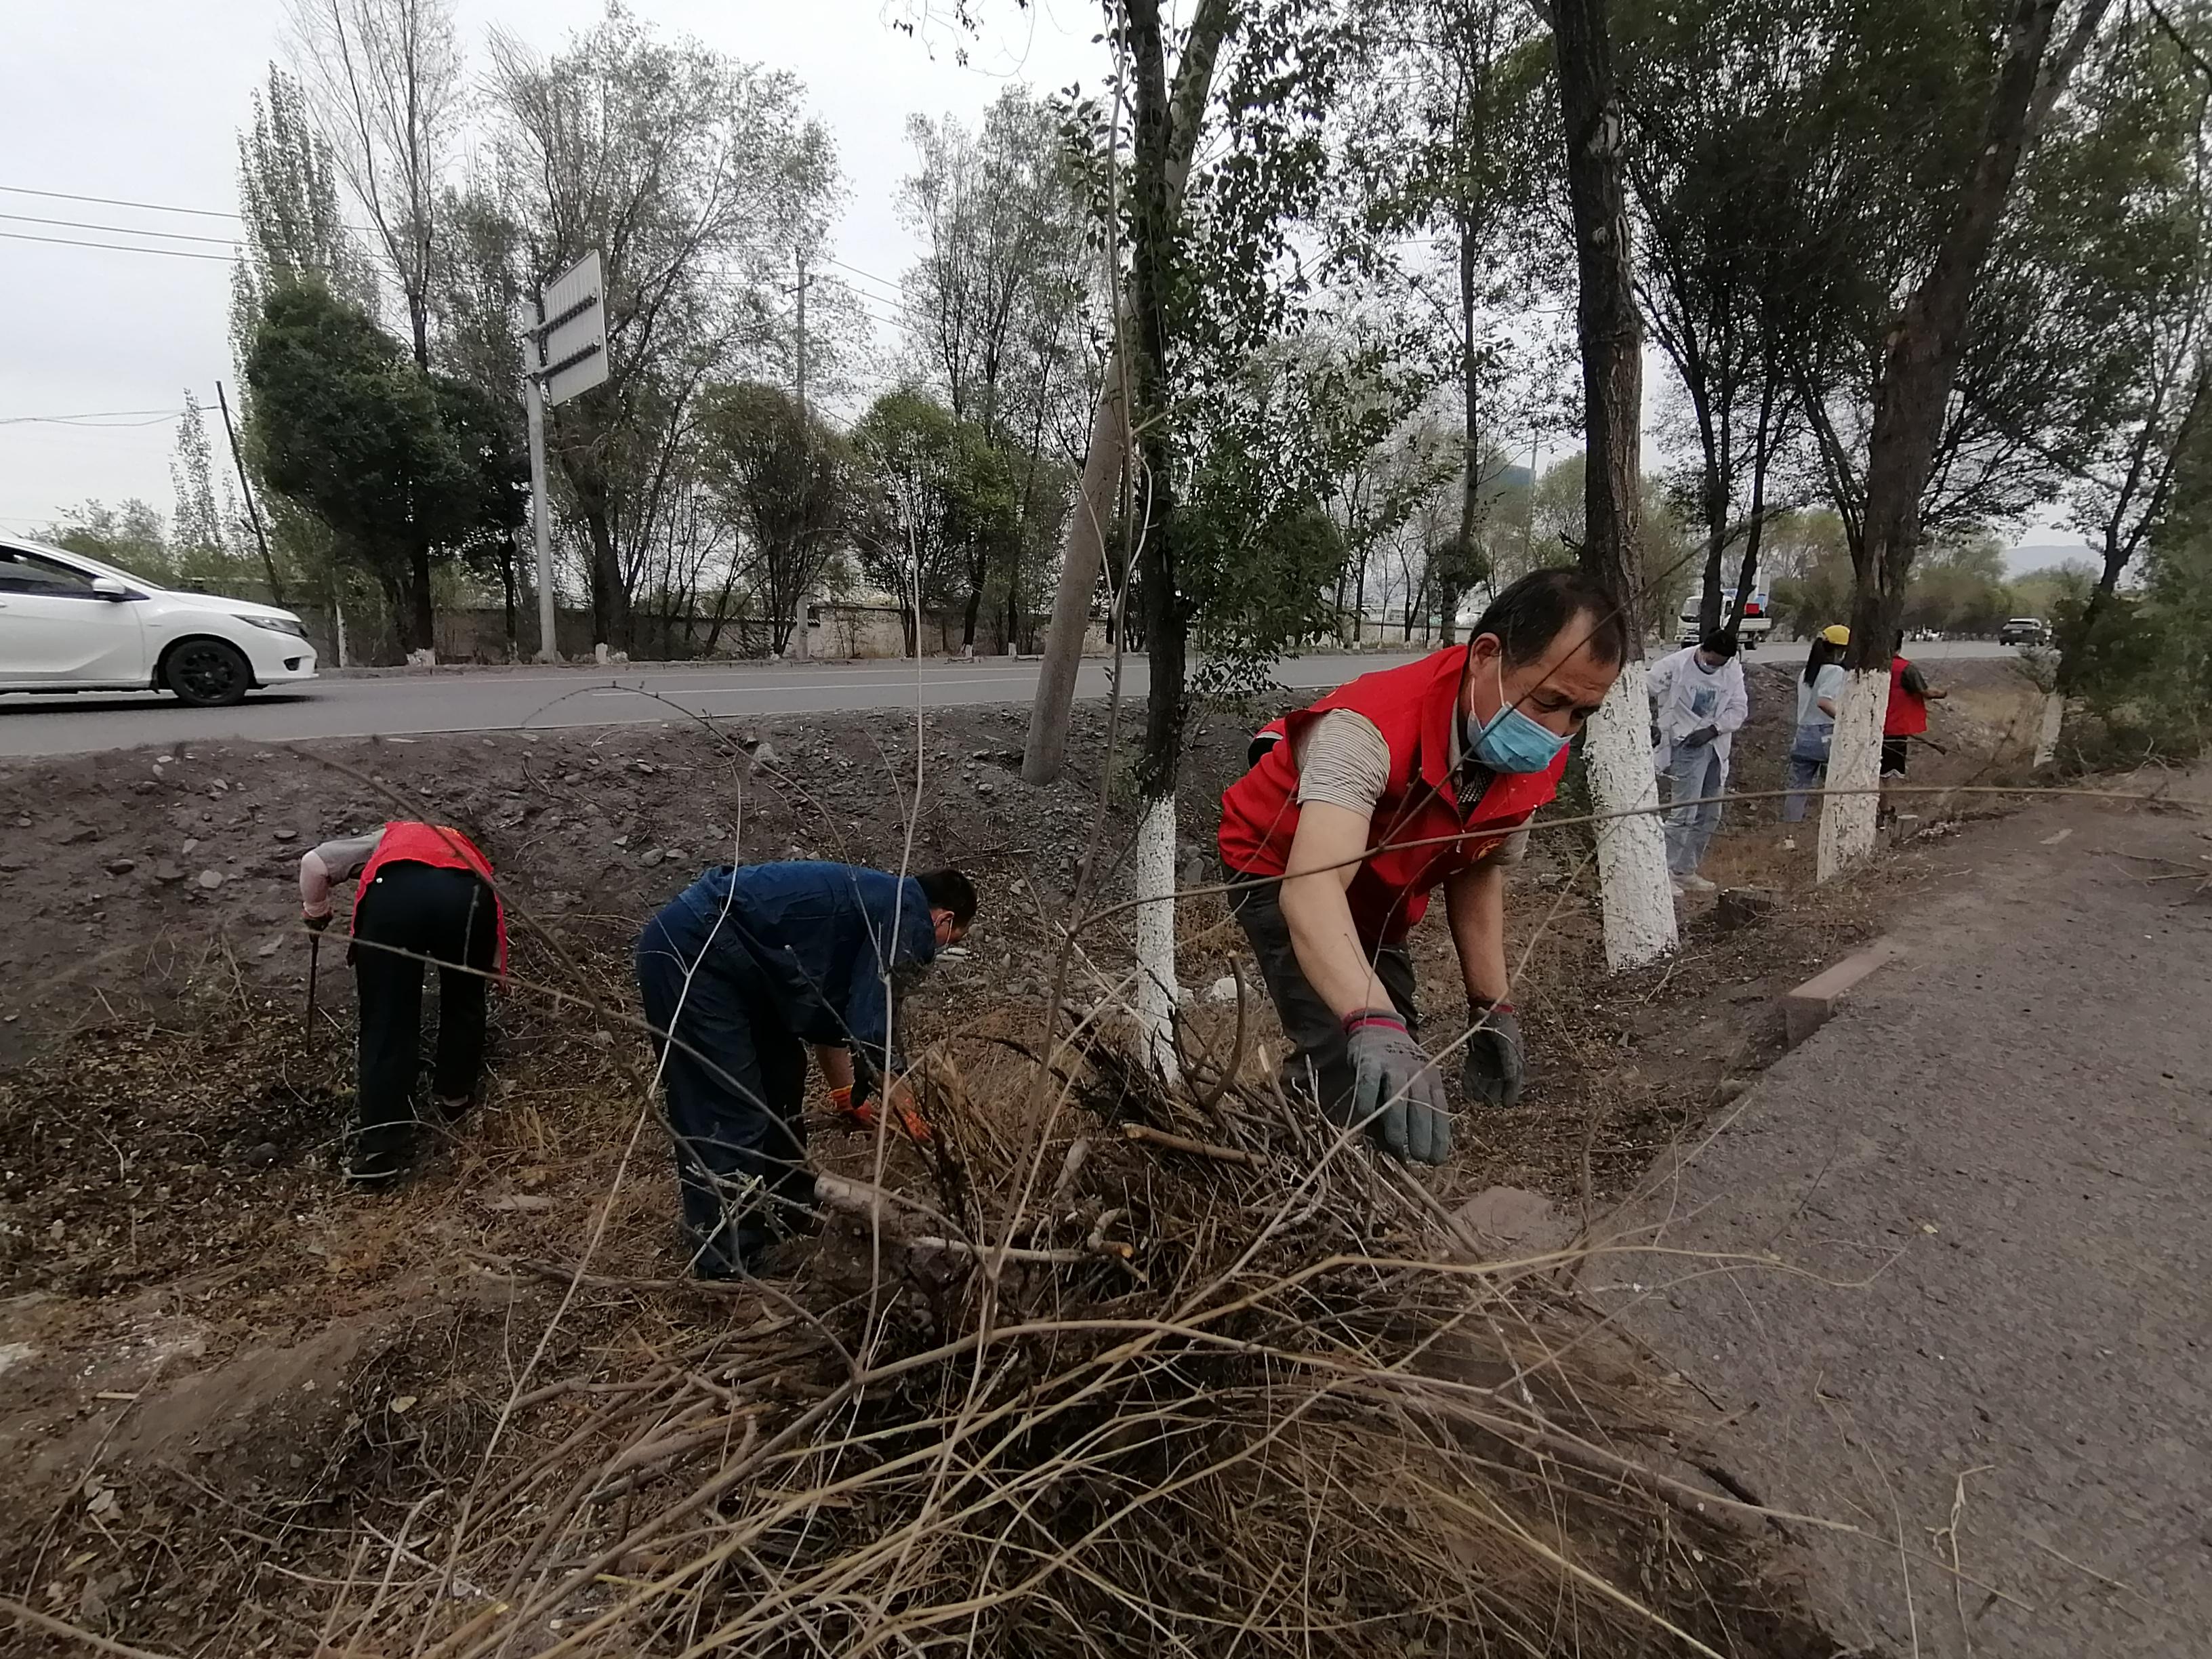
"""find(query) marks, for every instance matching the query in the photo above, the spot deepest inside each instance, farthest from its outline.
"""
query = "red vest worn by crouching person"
(1417, 835)
(442, 847)
(1908, 714)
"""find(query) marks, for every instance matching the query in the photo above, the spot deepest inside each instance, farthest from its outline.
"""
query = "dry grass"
(1169, 1403)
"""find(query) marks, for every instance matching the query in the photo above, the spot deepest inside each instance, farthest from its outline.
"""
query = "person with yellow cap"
(1819, 691)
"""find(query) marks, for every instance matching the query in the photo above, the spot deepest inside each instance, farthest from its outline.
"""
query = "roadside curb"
(1807, 1008)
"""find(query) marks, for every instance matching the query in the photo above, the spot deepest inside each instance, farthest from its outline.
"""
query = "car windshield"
(98, 567)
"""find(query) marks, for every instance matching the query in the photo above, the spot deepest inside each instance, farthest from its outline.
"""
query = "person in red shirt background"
(426, 889)
(1356, 808)
(1910, 694)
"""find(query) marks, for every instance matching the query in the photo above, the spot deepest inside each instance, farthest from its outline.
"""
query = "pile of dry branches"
(1108, 1371)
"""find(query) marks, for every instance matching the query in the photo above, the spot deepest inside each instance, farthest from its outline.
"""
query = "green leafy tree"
(481, 519)
(786, 480)
(937, 502)
(129, 536)
(696, 176)
(997, 307)
(351, 430)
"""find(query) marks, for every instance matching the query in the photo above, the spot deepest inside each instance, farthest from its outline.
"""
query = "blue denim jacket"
(821, 941)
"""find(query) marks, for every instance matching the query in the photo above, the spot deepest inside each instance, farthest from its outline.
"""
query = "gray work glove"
(1700, 737)
(1495, 1065)
(1396, 1092)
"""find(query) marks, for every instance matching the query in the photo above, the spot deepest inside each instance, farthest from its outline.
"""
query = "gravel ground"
(1988, 1173)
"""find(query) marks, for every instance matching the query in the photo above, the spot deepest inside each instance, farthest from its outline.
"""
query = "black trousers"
(736, 1081)
(1319, 1066)
(447, 915)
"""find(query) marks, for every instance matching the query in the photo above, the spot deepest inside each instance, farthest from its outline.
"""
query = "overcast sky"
(141, 101)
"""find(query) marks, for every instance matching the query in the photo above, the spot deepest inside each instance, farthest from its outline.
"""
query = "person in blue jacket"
(745, 969)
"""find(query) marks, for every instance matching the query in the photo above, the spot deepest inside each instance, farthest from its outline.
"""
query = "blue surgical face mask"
(1510, 741)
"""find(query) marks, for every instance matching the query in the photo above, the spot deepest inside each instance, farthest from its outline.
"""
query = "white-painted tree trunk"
(1632, 851)
(2054, 717)
(1848, 818)
(1157, 991)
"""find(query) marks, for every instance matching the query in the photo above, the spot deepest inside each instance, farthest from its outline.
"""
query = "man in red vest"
(426, 891)
(1910, 694)
(1357, 807)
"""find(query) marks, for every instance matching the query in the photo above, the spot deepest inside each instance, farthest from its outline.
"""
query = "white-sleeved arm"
(1736, 702)
(324, 867)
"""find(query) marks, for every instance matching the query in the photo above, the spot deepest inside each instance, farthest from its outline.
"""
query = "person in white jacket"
(1698, 703)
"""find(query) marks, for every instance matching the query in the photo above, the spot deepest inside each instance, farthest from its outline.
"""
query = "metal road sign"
(571, 332)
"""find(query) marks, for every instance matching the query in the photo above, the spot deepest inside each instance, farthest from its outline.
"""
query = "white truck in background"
(1758, 617)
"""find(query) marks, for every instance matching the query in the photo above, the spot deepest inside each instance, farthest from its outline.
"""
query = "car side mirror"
(107, 587)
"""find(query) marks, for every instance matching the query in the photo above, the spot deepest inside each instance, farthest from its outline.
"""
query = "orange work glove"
(863, 1112)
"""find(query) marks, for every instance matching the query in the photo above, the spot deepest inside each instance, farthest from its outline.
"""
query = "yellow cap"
(1835, 634)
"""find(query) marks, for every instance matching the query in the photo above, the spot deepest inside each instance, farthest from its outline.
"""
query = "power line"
(88, 414)
(110, 201)
(870, 275)
(116, 247)
(120, 230)
(216, 213)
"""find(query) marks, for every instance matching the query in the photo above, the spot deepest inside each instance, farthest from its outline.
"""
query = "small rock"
(268, 949)
(189, 845)
(1222, 989)
(1515, 1216)
(167, 872)
(210, 879)
(766, 755)
(11, 865)
(288, 835)
(120, 866)
(603, 1038)
(652, 858)
(1739, 906)
(263, 1155)
(79, 832)
(648, 768)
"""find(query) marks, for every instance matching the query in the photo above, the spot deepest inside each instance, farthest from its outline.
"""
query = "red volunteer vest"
(1417, 836)
(1908, 714)
(442, 847)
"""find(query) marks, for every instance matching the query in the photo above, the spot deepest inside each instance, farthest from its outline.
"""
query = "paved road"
(499, 700)
(1989, 1169)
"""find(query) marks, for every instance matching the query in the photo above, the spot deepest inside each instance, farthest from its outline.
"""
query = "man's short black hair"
(948, 889)
(1720, 642)
(1527, 617)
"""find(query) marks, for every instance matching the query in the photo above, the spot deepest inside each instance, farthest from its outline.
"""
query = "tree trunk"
(1166, 618)
(1046, 748)
(610, 608)
(1470, 484)
(1632, 846)
(1920, 364)
(421, 621)
(974, 611)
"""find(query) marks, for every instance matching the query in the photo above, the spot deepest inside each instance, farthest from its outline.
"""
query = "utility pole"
(252, 512)
(800, 621)
(540, 516)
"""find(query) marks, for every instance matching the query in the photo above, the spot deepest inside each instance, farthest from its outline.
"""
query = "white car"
(72, 623)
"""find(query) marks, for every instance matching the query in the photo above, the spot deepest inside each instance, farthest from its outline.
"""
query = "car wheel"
(207, 674)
